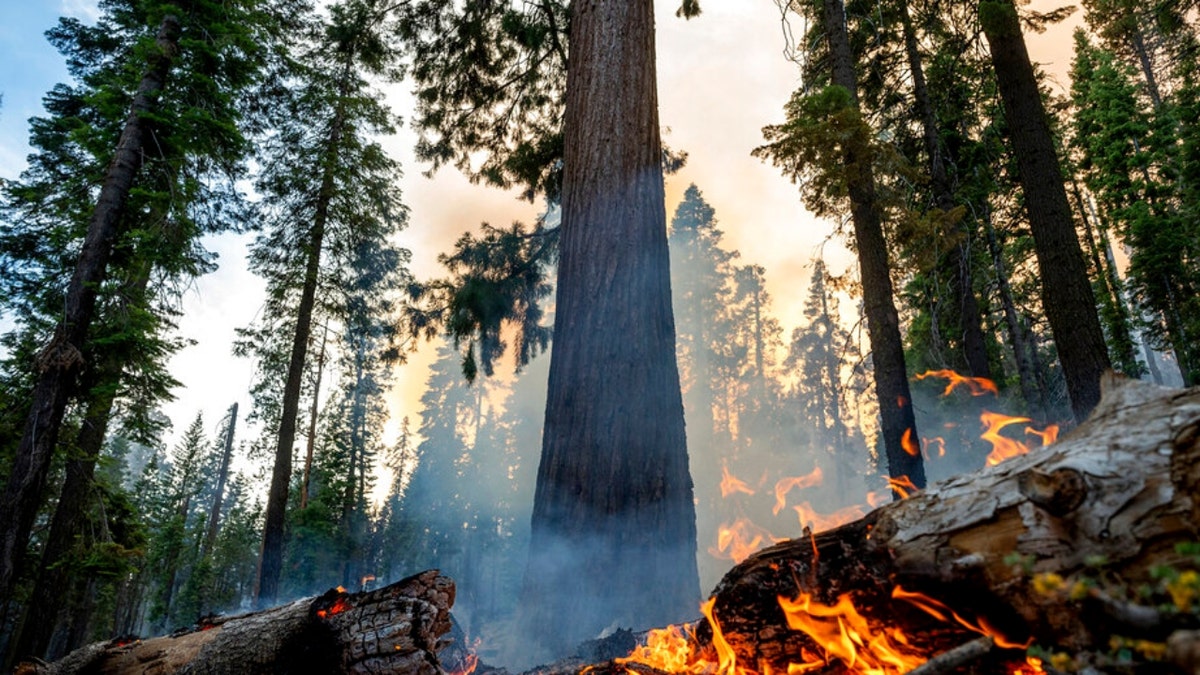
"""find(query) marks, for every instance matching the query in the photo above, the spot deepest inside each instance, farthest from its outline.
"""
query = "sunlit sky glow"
(722, 77)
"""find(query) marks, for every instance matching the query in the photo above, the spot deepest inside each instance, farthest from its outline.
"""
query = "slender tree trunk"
(1016, 335)
(1067, 295)
(271, 563)
(962, 293)
(214, 514)
(1120, 333)
(311, 443)
(59, 364)
(883, 324)
(613, 498)
(833, 374)
(1138, 41)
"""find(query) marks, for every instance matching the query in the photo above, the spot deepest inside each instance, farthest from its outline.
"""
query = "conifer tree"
(327, 180)
(174, 72)
(1066, 291)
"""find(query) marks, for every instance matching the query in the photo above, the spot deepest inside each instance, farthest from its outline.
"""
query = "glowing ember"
(903, 486)
(909, 445)
(846, 635)
(820, 522)
(939, 442)
(340, 605)
(731, 484)
(978, 386)
(785, 485)
(737, 541)
(941, 612)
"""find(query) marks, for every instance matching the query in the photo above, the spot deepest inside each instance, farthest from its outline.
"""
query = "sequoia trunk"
(613, 517)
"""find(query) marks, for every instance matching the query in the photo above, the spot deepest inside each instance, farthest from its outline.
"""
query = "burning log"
(394, 629)
(991, 553)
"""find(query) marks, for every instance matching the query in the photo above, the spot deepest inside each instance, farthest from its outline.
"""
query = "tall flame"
(738, 540)
(846, 635)
(731, 484)
(820, 522)
(785, 485)
(978, 386)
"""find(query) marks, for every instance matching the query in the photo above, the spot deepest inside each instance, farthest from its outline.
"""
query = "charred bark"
(883, 324)
(613, 498)
(396, 629)
(60, 362)
(1067, 296)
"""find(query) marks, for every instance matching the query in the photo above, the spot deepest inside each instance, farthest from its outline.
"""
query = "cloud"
(88, 10)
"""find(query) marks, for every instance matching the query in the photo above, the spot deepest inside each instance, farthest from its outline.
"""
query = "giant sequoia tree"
(613, 498)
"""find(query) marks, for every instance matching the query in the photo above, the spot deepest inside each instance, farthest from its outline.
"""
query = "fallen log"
(1110, 501)
(395, 629)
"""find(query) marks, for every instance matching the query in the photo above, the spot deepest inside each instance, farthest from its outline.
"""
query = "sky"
(722, 77)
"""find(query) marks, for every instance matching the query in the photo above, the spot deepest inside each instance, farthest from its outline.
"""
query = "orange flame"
(737, 541)
(1048, 435)
(667, 649)
(903, 486)
(846, 635)
(906, 442)
(731, 484)
(1002, 448)
(939, 442)
(467, 666)
(796, 482)
(978, 386)
(820, 522)
(940, 611)
(670, 649)
(726, 659)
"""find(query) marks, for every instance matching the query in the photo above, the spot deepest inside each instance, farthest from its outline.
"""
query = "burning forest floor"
(1076, 556)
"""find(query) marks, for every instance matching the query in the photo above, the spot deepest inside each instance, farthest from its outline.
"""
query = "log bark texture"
(1122, 487)
(395, 629)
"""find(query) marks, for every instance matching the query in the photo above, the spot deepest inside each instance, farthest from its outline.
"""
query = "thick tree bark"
(60, 362)
(1067, 295)
(395, 629)
(613, 501)
(899, 427)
